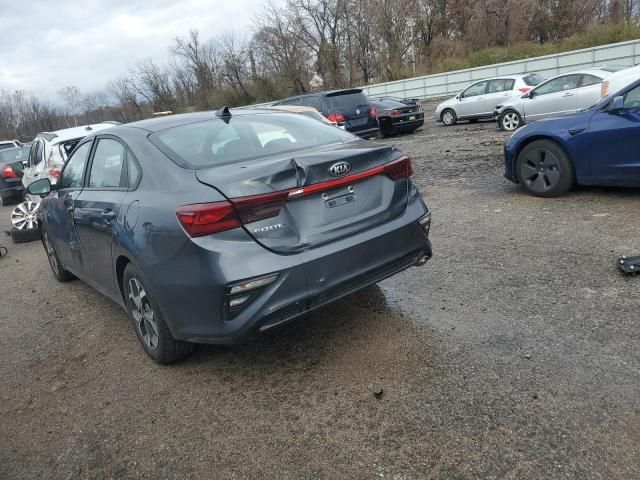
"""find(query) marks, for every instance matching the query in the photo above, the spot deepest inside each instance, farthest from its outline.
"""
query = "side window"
(73, 172)
(475, 90)
(106, 168)
(502, 85)
(312, 101)
(134, 172)
(560, 84)
(632, 99)
(588, 80)
(32, 153)
(37, 157)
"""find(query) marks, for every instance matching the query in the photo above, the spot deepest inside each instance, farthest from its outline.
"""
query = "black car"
(11, 167)
(408, 101)
(398, 117)
(349, 108)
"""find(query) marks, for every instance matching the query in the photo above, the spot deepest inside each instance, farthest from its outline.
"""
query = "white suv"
(50, 150)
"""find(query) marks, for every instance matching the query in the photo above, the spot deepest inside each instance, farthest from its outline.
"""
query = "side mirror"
(40, 187)
(529, 94)
(460, 96)
(616, 105)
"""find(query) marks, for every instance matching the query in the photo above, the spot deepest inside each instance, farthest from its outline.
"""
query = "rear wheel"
(510, 120)
(544, 169)
(148, 321)
(449, 117)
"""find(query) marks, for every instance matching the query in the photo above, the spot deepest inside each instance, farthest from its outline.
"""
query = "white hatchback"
(479, 99)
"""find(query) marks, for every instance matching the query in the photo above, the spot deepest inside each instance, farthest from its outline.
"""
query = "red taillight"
(7, 172)
(337, 118)
(399, 169)
(373, 113)
(207, 218)
(524, 89)
(54, 173)
(394, 113)
(258, 207)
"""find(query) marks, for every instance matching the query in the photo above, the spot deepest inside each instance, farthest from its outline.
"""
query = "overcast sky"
(48, 44)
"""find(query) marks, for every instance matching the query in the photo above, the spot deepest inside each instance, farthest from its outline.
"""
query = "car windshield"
(533, 80)
(244, 137)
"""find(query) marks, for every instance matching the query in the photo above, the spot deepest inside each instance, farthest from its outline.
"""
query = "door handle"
(36, 174)
(568, 94)
(108, 214)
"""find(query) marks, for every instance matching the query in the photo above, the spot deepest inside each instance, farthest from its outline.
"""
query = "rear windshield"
(215, 142)
(67, 147)
(613, 68)
(347, 101)
(4, 146)
(16, 154)
(533, 79)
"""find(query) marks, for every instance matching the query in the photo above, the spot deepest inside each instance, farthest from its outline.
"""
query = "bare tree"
(71, 97)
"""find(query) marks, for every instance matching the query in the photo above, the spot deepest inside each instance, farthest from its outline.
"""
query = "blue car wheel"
(544, 169)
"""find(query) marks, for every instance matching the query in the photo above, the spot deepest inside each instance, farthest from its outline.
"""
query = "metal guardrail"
(450, 83)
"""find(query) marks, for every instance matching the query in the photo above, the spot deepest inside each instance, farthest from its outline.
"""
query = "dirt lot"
(513, 354)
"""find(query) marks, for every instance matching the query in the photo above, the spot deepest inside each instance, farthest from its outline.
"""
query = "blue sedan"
(597, 146)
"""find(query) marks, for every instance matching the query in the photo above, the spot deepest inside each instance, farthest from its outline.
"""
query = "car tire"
(510, 120)
(449, 117)
(544, 169)
(148, 321)
(61, 274)
(24, 236)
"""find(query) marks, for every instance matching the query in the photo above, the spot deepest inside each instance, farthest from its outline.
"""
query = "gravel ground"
(513, 354)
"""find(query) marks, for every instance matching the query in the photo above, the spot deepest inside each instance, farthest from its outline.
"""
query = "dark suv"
(349, 108)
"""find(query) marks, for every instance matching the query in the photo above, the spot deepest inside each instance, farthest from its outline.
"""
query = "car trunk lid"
(291, 203)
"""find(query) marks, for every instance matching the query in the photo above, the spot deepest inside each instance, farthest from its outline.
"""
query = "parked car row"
(520, 99)
(353, 111)
(211, 227)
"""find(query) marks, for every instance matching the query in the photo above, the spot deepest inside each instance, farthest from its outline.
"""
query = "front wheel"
(544, 169)
(148, 321)
(449, 117)
(58, 270)
(510, 120)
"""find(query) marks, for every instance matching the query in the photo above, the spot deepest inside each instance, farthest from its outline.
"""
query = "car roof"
(74, 132)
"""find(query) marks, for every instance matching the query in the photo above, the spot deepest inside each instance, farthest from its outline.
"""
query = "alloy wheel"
(447, 118)
(540, 170)
(24, 216)
(143, 314)
(511, 121)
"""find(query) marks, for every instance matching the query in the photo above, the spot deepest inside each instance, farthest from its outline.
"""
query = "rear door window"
(313, 102)
(501, 85)
(588, 80)
(107, 165)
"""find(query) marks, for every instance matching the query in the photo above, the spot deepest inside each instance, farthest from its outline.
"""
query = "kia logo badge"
(339, 169)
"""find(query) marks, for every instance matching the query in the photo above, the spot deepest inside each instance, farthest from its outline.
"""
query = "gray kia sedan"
(211, 227)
